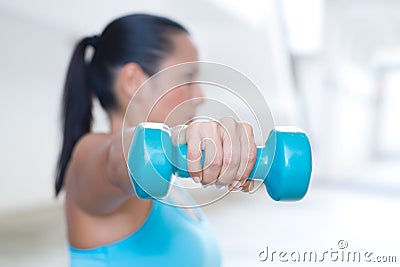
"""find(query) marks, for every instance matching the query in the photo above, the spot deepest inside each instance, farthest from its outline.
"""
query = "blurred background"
(331, 67)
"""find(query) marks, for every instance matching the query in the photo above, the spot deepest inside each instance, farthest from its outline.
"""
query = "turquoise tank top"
(168, 237)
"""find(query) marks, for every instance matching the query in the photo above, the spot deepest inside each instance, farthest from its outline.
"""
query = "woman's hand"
(229, 152)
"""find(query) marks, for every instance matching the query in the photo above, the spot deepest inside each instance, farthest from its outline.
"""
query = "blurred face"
(174, 98)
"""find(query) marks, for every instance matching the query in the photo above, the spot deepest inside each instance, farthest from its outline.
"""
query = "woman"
(108, 225)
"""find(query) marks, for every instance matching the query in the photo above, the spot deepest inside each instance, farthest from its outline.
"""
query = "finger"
(212, 158)
(194, 155)
(248, 153)
(230, 158)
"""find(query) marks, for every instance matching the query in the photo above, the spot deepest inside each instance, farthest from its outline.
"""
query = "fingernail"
(220, 186)
(196, 179)
(234, 189)
(237, 189)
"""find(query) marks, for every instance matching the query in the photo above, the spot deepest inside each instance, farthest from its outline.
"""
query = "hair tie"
(93, 40)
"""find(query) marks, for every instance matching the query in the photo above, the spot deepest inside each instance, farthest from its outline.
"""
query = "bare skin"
(101, 206)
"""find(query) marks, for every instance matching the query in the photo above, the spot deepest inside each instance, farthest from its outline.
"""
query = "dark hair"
(140, 38)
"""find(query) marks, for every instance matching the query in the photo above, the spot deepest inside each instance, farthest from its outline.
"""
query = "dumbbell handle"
(179, 166)
(283, 163)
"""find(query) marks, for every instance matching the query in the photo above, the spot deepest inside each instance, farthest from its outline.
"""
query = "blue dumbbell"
(284, 163)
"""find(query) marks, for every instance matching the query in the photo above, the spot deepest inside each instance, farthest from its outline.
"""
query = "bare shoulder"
(91, 141)
(88, 182)
(98, 212)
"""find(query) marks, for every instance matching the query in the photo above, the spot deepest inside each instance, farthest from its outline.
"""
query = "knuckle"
(193, 154)
(206, 128)
(215, 127)
(248, 128)
(194, 126)
(229, 122)
(247, 125)
(216, 164)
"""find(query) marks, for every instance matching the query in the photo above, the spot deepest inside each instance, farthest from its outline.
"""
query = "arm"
(97, 177)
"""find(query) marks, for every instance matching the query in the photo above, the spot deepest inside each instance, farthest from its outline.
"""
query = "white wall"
(340, 86)
(31, 74)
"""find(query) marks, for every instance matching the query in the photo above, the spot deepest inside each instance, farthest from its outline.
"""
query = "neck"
(116, 121)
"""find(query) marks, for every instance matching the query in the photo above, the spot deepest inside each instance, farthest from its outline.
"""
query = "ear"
(132, 76)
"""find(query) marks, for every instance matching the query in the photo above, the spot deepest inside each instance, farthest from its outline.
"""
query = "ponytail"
(76, 107)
